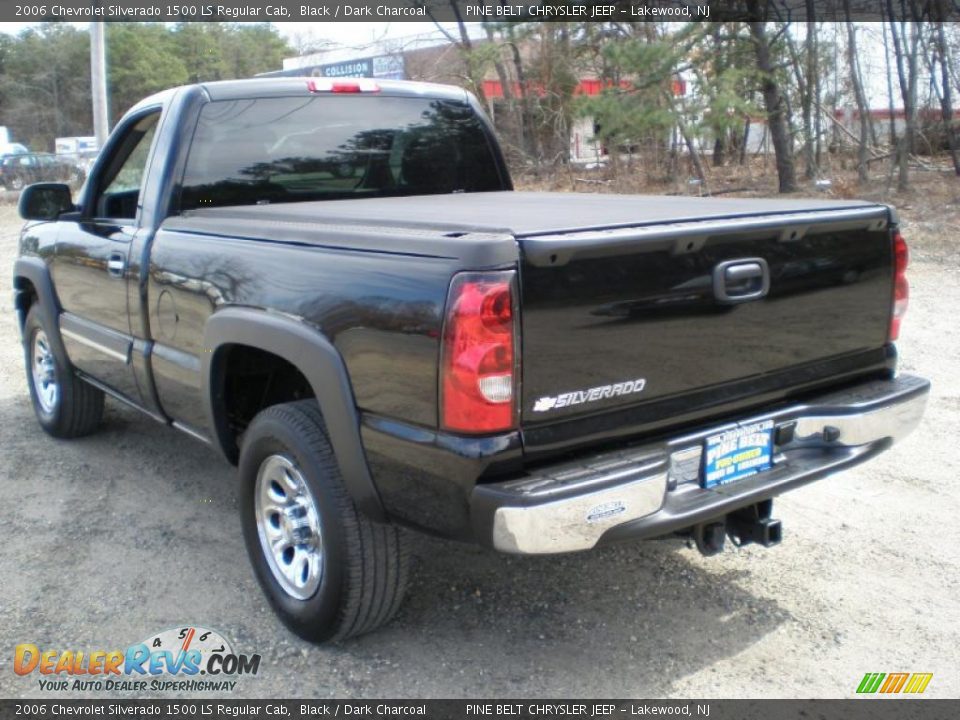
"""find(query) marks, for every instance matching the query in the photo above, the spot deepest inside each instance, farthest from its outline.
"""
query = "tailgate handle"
(737, 281)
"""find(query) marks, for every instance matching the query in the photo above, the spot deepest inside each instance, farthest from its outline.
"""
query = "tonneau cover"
(523, 214)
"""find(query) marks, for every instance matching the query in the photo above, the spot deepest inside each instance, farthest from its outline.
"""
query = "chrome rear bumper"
(653, 489)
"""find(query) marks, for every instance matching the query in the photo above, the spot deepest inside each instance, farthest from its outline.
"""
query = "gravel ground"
(109, 539)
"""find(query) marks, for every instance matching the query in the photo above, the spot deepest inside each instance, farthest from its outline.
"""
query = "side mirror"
(45, 201)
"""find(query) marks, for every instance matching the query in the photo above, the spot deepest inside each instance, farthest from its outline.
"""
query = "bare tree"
(526, 107)
(892, 126)
(773, 99)
(473, 61)
(804, 78)
(506, 84)
(859, 96)
(906, 48)
(946, 97)
(811, 119)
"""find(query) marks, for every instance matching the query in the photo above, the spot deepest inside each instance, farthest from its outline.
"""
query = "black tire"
(365, 563)
(77, 408)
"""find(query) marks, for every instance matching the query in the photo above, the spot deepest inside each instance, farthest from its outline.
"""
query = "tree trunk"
(910, 107)
(743, 143)
(720, 130)
(886, 61)
(809, 97)
(906, 56)
(799, 65)
(526, 110)
(719, 150)
(817, 95)
(946, 98)
(859, 96)
(688, 141)
(513, 110)
(474, 72)
(774, 102)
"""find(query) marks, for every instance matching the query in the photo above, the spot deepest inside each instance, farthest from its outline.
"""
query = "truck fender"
(313, 355)
(35, 271)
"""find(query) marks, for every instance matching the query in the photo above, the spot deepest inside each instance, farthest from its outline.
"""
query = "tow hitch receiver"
(753, 524)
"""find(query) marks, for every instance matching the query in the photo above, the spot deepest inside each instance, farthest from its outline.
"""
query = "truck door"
(90, 267)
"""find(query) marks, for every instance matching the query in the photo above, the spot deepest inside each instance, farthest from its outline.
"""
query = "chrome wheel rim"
(44, 370)
(289, 527)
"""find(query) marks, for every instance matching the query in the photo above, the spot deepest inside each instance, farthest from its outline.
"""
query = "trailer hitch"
(753, 524)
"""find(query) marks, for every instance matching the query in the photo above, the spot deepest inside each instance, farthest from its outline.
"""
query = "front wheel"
(328, 571)
(65, 405)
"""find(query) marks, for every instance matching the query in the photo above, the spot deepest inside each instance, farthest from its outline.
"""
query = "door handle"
(116, 265)
(737, 281)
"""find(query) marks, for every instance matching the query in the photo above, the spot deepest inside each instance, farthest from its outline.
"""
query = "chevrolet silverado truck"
(333, 283)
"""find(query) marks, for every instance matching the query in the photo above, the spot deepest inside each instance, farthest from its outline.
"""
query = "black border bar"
(874, 707)
(473, 10)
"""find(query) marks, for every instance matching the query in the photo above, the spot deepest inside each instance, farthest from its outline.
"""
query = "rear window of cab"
(286, 149)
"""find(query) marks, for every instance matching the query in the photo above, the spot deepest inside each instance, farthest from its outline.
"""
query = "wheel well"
(249, 380)
(25, 296)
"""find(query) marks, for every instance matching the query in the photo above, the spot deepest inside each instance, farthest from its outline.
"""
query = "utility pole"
(98, 83)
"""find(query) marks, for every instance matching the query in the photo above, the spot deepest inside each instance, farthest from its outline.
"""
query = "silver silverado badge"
(605, 511)
(577, 397)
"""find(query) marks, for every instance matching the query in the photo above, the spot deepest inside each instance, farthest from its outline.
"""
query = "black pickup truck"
(333, 283)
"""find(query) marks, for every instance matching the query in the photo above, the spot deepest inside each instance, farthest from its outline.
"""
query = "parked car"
(334, 284)
(18, 171)
(13, 149)
(9, 150)
(82, 151)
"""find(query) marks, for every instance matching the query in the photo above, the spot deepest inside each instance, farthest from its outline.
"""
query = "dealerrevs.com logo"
(186, 659)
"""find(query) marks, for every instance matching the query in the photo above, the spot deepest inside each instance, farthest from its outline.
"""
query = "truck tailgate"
(627, 329)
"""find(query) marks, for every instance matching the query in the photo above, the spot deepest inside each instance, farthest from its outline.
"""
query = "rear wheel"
(65, 405)
(329, 572)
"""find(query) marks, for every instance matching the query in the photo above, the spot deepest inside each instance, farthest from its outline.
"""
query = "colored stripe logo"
(893, 683)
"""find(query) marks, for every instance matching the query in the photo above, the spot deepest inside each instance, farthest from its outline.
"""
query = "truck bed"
(620, 292)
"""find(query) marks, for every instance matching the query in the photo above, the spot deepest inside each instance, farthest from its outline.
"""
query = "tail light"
(901, 288)
(479, 355)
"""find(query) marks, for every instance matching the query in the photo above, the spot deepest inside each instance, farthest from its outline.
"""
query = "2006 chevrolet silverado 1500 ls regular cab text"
(333, 283)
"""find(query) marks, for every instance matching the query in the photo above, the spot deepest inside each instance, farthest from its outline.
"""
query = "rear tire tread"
(377, 563)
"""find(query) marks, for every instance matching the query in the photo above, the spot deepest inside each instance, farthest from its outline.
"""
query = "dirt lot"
(112, 538)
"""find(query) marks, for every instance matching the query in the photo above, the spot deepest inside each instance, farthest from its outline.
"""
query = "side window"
(122, 180)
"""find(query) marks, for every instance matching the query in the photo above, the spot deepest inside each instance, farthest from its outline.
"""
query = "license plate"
(736, 454)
